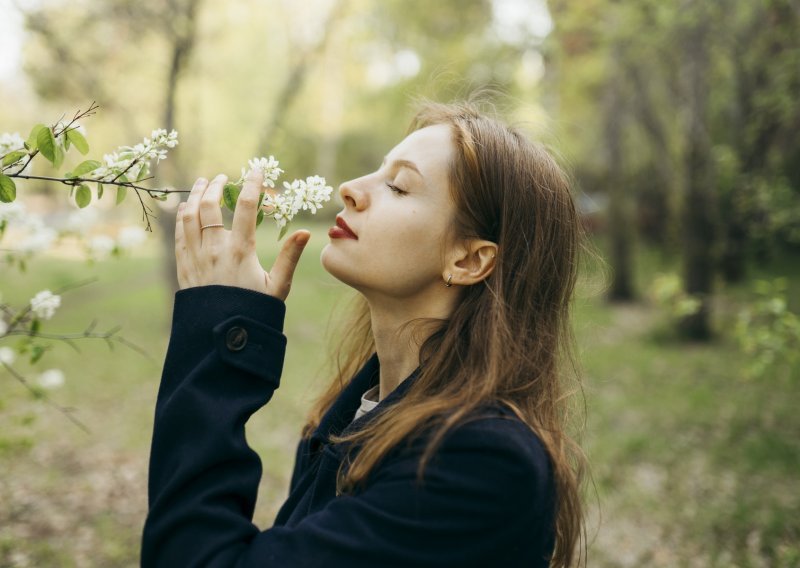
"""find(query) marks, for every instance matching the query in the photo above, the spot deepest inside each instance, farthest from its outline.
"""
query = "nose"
(352, 195)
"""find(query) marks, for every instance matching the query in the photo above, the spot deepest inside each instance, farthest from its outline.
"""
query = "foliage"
(667, 292)
(769, 333)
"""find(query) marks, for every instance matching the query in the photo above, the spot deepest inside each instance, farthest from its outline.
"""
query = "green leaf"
(99, 190)
(143, 173)
(83, 196)
(230, 194)
(35, 326)
(59, 157)
(31, 142)
(284, 229)
(8, 190)
(121, 193)
(38, 351)
(260, 217)
(80, 142)
(46, 143)
(14, 156)
(66, 143)
(85, 167)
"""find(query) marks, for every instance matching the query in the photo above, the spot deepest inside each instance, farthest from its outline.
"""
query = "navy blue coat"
(487, 497)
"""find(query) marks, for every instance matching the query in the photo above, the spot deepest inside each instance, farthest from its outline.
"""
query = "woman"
(442, 441)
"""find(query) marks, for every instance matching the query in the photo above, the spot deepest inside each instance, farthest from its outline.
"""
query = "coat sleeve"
(486, 498)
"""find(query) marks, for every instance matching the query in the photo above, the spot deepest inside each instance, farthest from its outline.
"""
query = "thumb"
(285, 264)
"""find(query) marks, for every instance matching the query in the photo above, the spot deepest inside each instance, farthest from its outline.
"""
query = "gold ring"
(214, 225)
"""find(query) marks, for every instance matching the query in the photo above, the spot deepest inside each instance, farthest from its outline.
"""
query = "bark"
(294, 83)
(185, 31)
(620, 200)
(699, 203)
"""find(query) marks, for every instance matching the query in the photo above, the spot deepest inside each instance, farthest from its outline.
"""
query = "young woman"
(443, 439)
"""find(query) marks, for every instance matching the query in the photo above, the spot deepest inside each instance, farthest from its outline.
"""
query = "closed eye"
(395, 189)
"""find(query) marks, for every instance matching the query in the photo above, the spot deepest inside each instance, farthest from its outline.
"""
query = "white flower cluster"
(10, 142)
(44, 304)
(39, 236)
(100, 247)
(51, 379)
(269, 168)
(135, 160)
(306, 195)
(7, 354)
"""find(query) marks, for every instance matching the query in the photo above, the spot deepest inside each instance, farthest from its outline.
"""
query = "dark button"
(236, 338)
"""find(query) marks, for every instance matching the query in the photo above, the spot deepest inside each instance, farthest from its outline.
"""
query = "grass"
(693, 464)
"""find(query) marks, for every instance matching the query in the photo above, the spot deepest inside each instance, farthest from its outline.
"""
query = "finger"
(180, 243)
(190, 217)
(244, 216)
(210, 212)
(283, 270)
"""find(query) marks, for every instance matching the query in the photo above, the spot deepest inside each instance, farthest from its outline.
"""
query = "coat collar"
(339, 416)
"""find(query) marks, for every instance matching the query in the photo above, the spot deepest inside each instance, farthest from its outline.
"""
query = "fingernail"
(303, 238)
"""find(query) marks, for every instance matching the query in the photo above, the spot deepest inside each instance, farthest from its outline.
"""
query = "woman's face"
(400, 216)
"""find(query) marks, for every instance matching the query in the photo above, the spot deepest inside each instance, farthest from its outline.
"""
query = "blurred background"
(678, 121)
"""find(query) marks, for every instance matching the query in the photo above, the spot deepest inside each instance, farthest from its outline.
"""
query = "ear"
(470, 262)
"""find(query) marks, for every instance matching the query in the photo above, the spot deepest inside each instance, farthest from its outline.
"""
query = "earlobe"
(471, 262)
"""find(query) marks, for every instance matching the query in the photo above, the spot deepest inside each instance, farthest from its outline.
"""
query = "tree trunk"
(619, 200)
(294, 83)
(699, 199)
(183, 43)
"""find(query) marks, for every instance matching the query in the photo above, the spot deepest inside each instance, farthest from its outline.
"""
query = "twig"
(37, 393)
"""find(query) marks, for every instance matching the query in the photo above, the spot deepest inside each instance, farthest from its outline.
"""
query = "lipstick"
(341, 230)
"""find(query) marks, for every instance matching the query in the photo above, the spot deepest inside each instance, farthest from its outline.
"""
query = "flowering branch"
(28, 321)
(127, 167)
(41, 394)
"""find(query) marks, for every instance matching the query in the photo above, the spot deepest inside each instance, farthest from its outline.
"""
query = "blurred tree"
(619, 202)
(67, 68)
(699, 205)
(759, 122)
(699, 115)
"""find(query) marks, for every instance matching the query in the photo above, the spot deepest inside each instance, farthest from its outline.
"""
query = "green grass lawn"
(693, 464)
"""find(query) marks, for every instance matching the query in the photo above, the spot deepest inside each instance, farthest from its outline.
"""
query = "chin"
(333, 266)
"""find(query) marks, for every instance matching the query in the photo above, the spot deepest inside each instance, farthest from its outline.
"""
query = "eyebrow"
(406, 164)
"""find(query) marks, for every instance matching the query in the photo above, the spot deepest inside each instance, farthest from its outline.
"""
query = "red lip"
(342, 230)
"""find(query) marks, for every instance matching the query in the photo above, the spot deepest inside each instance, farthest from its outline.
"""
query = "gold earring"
(449, 281)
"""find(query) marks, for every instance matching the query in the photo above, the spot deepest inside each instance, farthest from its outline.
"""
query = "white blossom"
(44, 304)
(308, 194)
(135, 160)
(81, 220)
(268, 167)
(282, 211)
(7, 355)
(14, 211)
(131, 237)
(10, 141)
(100, 246)
(51, 379)
(40, 237)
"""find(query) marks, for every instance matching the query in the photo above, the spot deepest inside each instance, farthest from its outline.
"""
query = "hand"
(217, 256)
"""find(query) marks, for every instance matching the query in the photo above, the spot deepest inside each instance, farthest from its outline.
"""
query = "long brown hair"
(509, 338)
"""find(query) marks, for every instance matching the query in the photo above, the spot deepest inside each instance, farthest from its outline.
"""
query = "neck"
(397, 344)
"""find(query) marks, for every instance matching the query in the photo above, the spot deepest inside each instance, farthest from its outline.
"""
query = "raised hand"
(207, 253)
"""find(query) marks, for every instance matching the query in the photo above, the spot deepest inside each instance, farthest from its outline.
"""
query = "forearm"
(221, 366)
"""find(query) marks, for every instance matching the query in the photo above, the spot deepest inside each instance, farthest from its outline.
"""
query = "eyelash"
(395, 189)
